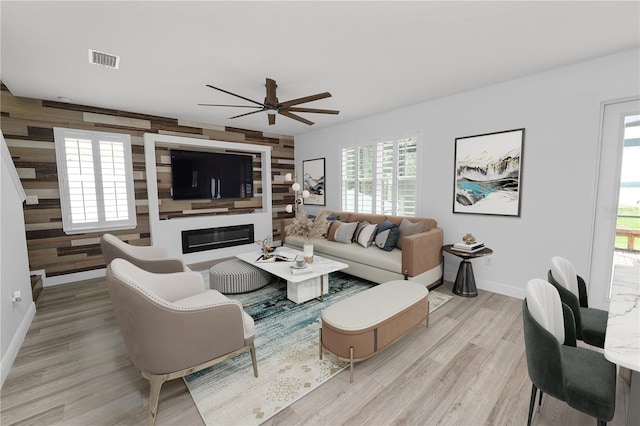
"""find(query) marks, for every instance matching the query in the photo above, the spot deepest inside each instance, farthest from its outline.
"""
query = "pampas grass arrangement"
(303, 226)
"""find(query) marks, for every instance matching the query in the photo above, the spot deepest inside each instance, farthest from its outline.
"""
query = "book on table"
(470, 248)
(262, 259)
(299, 271)
(283, 258)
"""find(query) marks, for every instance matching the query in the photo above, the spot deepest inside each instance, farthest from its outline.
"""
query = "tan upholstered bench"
(359, 327)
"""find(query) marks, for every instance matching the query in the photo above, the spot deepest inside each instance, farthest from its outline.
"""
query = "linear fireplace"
(215, 238)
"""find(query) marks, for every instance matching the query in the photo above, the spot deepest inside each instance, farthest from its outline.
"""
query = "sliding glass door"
(617, 213)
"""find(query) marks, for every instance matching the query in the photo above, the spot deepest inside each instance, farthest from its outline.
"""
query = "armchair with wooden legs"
(149, 258)
(173, 327)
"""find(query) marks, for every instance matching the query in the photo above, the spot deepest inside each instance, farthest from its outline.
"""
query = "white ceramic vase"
(308, 252)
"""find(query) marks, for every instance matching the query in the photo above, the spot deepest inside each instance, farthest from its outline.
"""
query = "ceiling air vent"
(104, 59)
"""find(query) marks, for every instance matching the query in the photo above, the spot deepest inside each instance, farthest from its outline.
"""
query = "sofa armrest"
(422, 252)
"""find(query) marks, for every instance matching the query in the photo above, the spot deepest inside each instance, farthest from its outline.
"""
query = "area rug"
(287, 350)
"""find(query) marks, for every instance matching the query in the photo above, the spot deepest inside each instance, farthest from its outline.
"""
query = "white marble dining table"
(622, 341)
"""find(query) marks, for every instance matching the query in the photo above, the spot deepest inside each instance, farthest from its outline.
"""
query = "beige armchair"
(149, 258)
(173, 327)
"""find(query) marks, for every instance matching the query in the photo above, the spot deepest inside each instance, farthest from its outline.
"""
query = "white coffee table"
(300, 288)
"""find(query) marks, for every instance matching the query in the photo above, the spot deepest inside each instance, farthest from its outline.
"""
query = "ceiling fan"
(272, 106)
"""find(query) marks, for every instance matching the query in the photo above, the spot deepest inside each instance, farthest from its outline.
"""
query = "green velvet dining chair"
(582, 378)
(591, 323)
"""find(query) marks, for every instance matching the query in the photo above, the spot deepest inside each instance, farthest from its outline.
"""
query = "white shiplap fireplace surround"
(168, 233)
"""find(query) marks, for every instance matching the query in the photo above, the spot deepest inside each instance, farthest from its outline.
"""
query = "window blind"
(95, 175)
(381, 178)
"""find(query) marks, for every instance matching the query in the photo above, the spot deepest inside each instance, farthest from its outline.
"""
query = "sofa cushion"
(408, 228)
(373, 256)
(387, 235)
(371, 218)
(331, 232)
(342, 232)
(431, 223)
(365, 233)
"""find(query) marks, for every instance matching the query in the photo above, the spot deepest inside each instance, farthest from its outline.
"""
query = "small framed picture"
(313, 179)
(488, 173)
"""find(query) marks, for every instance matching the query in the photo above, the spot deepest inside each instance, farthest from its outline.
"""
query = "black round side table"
(465, 284)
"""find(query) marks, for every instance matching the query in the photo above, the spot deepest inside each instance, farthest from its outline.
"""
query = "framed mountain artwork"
(488, 173)
(313, 179)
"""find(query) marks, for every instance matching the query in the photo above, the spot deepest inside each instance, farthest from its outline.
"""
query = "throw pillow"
(366, 234)
(342, 233)
(359, 229)
(387, 235)
(331, 233)
(409, 228)
(330, 220)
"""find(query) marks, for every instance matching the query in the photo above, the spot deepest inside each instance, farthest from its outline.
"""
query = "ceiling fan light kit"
(272, 106)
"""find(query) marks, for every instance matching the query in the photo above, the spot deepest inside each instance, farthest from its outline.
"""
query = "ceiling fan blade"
(233, 94)
(295, 117)
(272, 119)
(305, 99)
(271, 92)
(247, 113)
(313, 110)
(234, 106)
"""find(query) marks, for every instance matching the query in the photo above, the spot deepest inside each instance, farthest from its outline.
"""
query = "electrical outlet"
(32, 199)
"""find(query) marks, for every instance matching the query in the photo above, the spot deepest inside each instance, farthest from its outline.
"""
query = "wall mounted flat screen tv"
(209, 175)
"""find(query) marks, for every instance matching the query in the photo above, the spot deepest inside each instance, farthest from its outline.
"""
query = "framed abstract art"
(313, 181)
(488, 173)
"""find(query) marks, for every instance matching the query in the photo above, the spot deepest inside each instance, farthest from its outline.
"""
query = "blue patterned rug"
(287, 350)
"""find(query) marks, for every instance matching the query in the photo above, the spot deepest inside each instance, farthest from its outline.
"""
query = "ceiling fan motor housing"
(272, 106)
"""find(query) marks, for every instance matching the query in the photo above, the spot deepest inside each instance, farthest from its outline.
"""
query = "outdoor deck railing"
(631, 235)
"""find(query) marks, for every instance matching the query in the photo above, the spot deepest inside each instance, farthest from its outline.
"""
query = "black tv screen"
(209, 175)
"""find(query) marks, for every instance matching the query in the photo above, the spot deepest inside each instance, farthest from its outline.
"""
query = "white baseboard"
(494, 287)
(506, 290)
(16, 342)
(74, 277)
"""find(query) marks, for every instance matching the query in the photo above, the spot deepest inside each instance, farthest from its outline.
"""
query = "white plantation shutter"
(348, 179)
(81, 180)
(385, 190)
(407, 177)
(366, 171)
(385, 175)
(95, 174)
(114, 181)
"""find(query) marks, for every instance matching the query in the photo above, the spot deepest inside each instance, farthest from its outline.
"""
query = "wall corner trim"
(8, 163)
(16, 342)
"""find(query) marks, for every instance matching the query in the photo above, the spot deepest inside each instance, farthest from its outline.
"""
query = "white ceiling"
(371, 56)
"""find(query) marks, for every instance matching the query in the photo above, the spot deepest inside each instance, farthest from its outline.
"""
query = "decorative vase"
(469, 239)
(308, 252)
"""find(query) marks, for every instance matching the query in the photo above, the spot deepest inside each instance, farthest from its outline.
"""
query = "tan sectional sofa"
(420, 258)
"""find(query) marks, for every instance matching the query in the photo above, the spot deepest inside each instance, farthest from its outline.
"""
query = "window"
(95, 175)
(381, 177)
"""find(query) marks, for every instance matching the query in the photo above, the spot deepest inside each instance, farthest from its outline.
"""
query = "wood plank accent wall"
(27, 125)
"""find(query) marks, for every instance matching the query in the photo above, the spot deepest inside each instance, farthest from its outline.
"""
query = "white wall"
(560, 111)
(14, 265)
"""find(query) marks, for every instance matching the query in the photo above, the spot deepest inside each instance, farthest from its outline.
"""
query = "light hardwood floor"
(467, 368)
